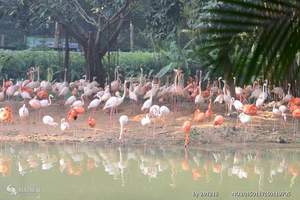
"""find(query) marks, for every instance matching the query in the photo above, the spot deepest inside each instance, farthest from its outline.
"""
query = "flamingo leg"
(153, 132)
(187, 139)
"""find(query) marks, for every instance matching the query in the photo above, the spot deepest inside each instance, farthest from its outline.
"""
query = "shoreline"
(262, 130)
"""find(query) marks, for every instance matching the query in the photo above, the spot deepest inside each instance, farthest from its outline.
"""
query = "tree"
(96, 25)
(260, 38)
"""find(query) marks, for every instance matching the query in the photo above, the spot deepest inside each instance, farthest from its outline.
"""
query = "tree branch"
(83, 14)
(111, 21)
(114, 36)
(116, 16)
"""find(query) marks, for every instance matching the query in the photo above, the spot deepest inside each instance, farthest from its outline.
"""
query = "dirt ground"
(263, 129)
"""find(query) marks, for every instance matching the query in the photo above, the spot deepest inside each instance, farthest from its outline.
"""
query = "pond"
(90, 171)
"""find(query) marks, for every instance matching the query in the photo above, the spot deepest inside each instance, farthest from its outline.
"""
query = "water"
(87, 172)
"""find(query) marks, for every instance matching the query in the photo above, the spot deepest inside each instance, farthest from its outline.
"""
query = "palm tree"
(250, 38)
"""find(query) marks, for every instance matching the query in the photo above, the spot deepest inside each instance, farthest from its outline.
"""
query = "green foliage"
(131, 62)
(14, 64)
(178, 58)
(164, 18)
(259, 37)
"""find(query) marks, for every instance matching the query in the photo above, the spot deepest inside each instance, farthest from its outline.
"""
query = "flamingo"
(148, 103)
(95, 103)
(276, 111)
(238, 105)
(199, 98)
(220, 97)
(6, 114)
(219, 120)
(23, 112)
(262, 97)
(278, 91)
(10, 91)
(198, 116)
(145, 121)
(238, 90)
(2, 94)
(70, 100)
(244, 119)
(123, 121)
(227, 98)
(287, 97)
(250, 109)
(25, 94)
(187, 129)
(91, 122)
(35, 104)
(46, 102)
(115, 85)
(64, 125)
(279, 113)
(48, 120)
(132, 94)
(164, 111)
(42, 94)
(296, 116)
(209, 112)
(113, 102)
(78, 103)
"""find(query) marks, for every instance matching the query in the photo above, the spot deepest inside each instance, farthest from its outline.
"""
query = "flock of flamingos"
(154, 163)
(87, 96)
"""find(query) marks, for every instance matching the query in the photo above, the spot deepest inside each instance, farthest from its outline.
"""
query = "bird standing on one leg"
(187, 129)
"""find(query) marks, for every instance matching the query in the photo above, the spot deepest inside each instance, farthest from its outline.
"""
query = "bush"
(14, 64)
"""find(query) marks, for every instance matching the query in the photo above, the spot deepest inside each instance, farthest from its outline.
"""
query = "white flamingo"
(70, 100)
(78, 103)
(199, 98)
(262, 97)
(237, 105)
(48, 120)
(123, 121)
(46, 102)
(148, 103)
(145, 121)
(64, 125)
(23, 112)
(95, 103)
(288, 97)
(113, 102)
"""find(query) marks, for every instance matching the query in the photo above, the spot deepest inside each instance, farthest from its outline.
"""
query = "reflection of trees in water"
(152, 161)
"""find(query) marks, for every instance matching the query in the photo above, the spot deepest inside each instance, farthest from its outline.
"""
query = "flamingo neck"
(38, 73)
(82, 99)
(224, 88)
(50, 101)
(124, 93)
(141, 77)
(200, 83)
(121, 129)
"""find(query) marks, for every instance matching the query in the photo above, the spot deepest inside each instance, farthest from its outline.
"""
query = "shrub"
(14, 64)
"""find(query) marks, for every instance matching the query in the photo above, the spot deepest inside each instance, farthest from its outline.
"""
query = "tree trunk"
(131, 28)
(228, 71)
(67, 57)
(94, 66)
(57, 33)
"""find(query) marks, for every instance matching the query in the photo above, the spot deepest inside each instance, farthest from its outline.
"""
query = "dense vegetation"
(14, 64)
(248, 39)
